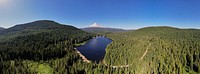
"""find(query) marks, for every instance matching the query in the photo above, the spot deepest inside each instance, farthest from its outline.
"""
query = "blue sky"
(126, 14)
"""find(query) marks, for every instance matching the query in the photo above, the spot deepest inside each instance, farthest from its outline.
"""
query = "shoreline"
(82, 56)
(103, 61)
(80, 44)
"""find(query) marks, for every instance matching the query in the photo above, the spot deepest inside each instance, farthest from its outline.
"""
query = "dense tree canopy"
(47, 47)
(41, 43)
(163, 50)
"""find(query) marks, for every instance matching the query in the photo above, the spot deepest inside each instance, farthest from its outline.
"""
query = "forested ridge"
(41, 47)
(156, 50)
(47, 47)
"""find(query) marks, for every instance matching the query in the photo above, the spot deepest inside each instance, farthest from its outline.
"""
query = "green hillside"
(34, 28)
(156, 50)
(42, 47)
(47, 47)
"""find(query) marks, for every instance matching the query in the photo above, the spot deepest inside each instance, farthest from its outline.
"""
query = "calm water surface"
(94, 49)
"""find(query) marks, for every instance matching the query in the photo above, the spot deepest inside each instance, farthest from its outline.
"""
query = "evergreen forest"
(47, 47)
(156, 50)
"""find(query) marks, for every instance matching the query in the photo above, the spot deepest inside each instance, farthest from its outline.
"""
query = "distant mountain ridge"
(1, 28)
(100, 29)
(95, 25)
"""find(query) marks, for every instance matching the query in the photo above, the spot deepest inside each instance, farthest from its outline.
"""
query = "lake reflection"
(94, 49)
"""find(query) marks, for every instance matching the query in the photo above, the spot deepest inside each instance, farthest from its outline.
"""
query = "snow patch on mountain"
(95, 25)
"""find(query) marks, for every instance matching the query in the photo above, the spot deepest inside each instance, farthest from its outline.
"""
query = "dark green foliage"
(47, 47)
(34, 28)
(169, 50)
(41, 45)
(45, 42)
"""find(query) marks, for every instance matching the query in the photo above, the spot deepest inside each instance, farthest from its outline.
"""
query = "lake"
(94, 49)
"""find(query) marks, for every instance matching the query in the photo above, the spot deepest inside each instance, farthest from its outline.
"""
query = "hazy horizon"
(107, 26)
(125, 14)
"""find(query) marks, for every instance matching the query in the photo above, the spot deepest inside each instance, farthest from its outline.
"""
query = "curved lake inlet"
(94, 49)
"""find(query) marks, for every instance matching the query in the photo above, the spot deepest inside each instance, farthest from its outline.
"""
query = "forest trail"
(119, 66)
(145, 52)
(125, 66)
(122, 66)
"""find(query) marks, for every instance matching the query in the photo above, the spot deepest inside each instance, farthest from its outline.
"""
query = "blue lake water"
(94, 49)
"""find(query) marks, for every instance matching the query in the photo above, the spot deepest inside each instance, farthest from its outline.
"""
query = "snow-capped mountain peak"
(96, 25)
